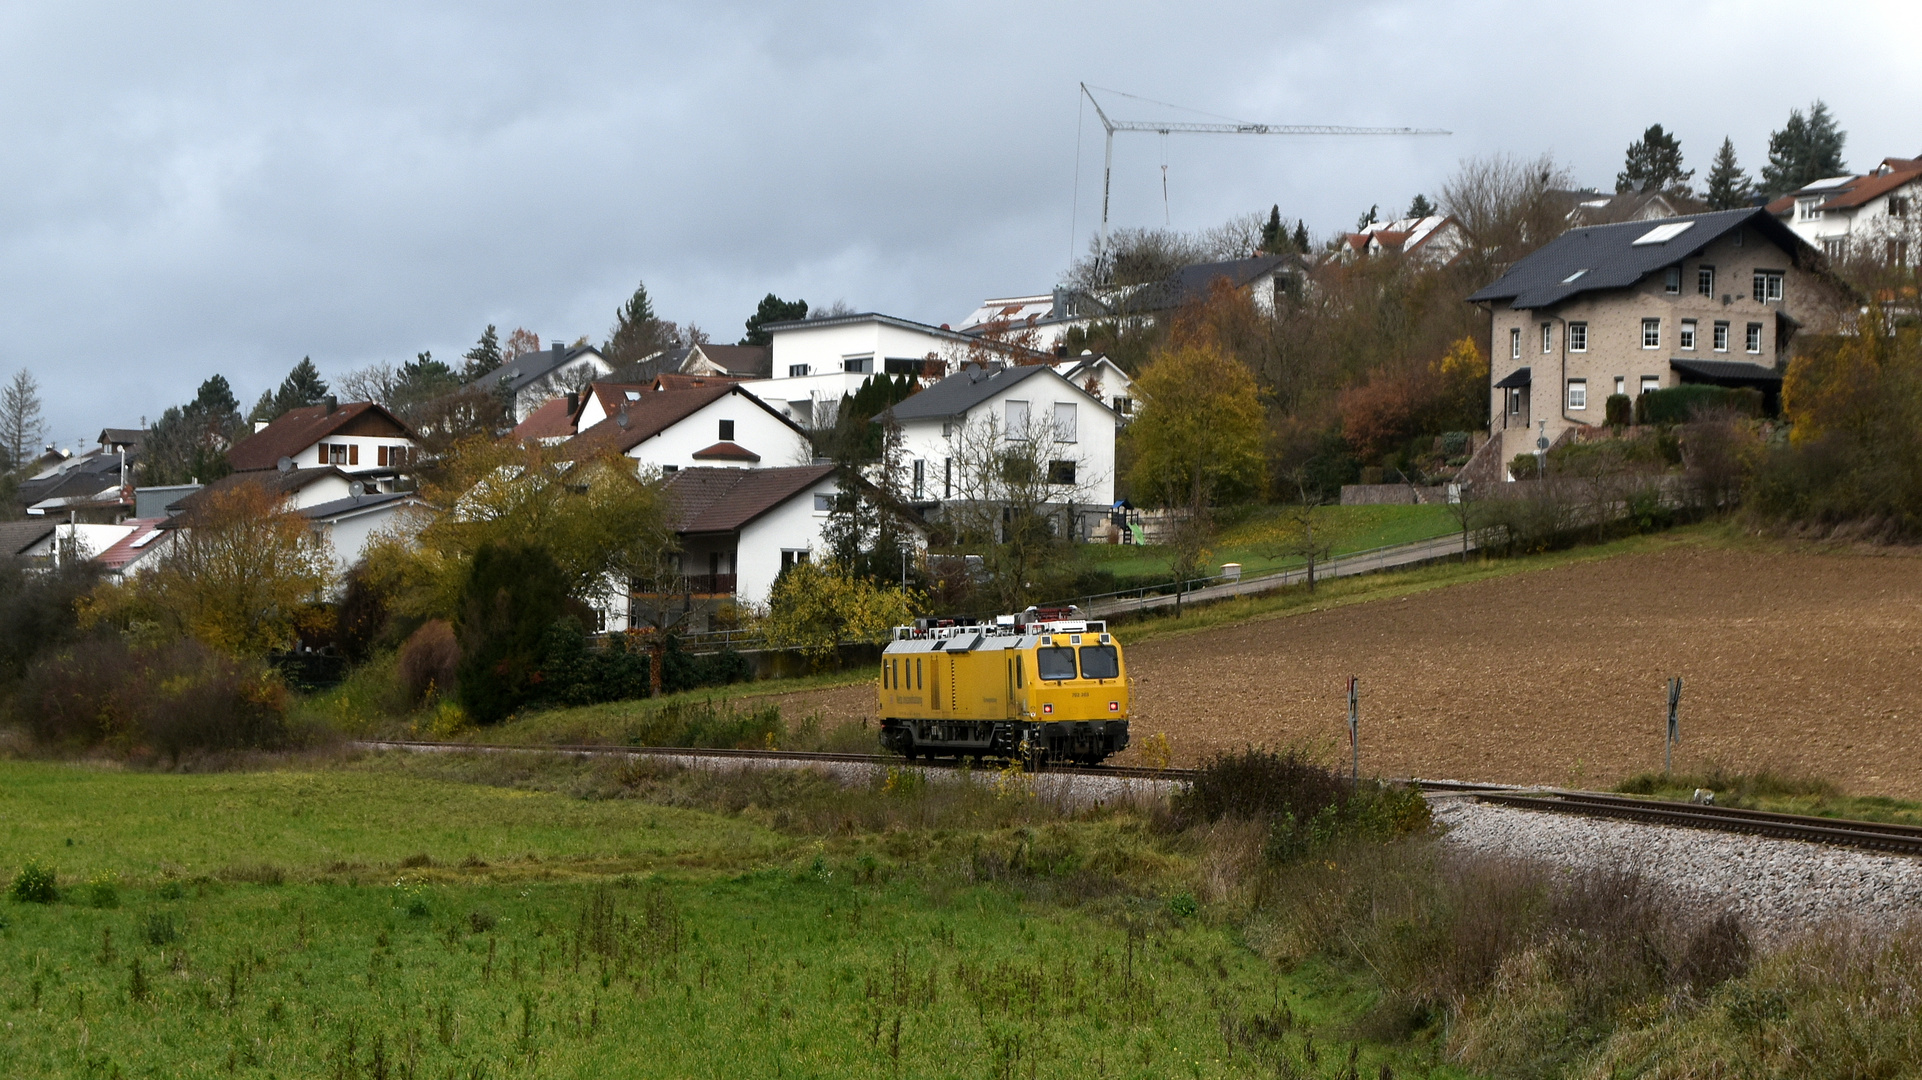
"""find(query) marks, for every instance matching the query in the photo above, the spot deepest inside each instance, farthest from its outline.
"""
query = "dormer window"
(795, 371)
(1807, 209)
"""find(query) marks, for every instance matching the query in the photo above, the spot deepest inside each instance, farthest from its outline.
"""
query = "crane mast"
(1111, 126)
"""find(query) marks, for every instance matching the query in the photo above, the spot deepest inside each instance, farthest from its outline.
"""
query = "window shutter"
(353, 453)
(380, 456)
(322, 448)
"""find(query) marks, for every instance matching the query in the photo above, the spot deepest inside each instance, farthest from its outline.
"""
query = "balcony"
(689, 585)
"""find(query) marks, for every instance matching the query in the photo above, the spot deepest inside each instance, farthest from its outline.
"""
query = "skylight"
(143, 541)
(1824, 185)
(1570, 279)
(1662, 234)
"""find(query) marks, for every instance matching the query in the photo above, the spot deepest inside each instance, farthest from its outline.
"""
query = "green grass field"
(434, 916)
(1254, 536)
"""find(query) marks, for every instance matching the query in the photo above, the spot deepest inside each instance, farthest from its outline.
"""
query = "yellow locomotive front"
(1041, 685)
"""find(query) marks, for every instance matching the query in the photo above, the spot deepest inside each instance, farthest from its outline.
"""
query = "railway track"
(1872, 835)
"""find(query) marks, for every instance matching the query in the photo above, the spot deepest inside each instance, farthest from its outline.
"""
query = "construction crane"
(1231, 127)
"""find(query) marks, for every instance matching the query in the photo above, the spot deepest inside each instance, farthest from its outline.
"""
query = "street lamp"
(1541, 450)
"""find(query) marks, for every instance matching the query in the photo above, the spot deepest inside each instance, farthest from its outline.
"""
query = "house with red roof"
(359, 437)
(1876, 215)
(720, 425)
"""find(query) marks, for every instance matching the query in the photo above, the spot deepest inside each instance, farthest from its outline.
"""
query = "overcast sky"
(196, 188)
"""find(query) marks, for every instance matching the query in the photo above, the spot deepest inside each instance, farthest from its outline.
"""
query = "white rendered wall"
(778, 444)
(793, 525)
(368, 447)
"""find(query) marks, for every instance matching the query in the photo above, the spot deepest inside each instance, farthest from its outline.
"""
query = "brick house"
(1641, 305)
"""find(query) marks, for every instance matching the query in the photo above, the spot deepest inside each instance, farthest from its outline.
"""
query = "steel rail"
(1846, 832)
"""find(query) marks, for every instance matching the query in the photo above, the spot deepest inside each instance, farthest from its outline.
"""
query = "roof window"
(1570, 279)
(1662, 234)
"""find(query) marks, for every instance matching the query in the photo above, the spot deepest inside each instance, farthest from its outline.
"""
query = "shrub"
(429, 662)
(510, 598)
(37, 612)
(103, 889)
(1618, 411)
(691, 671)
(169, 700)
(158, 929)
(572, 674)
(1306, 805)
(34, 884)
(1680, 404)
(1524, 467)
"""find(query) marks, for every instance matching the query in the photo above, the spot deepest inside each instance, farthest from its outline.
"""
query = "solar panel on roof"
(1831, 182)
(1662, 234)
(145, 540)
(1570, 279)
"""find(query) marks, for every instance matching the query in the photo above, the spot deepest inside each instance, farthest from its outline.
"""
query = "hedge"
(1680, 404)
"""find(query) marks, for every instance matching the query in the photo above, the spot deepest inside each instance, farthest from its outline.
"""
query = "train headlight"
(1114, 706)
(1047, 706)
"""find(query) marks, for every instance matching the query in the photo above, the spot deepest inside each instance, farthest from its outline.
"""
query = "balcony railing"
(691, 584)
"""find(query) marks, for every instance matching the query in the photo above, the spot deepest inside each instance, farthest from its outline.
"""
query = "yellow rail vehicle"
(1032, 685)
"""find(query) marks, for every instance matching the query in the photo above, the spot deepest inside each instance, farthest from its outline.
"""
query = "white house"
(1435, 240)
(718, 425)
(138, 551)
(739, 528)
(350, 524)
(817, 361)
(297, 488)
(1102, 378)
(1877, 214)
(359, 437)
(1041, 321)
(535, 378)
(1012, 403)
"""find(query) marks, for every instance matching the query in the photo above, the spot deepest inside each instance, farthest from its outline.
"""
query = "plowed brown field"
(1805, 662)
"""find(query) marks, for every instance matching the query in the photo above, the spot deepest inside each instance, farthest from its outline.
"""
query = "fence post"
(1674, 724)
(1354, 726)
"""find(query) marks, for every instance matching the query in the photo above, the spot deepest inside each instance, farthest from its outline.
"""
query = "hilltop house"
(815, 362)
(346, 508)
(737, 530)
(1046, 318)
(1435, 240)
(1877, 214)
(360, 438)
(1102, 378)
(717, 425)
(1030, 404)
(1637, 306)
(535, 378)
(95, 486)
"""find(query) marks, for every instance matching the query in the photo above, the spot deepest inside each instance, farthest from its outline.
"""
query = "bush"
(1307, 806)
(429, 663)
(37, 612)
(103, 889)
(691, 671)
(34, 884)
(1618, 410)
(168, 700)
(510, 598)
(1525, 467)
(1680, 404)
(572, 674)
(702, 723)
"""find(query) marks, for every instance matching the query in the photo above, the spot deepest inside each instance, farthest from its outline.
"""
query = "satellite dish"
(356, 488)
(285, 464)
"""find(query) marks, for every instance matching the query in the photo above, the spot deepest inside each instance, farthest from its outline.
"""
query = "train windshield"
(1054, 663)
(1100, 662)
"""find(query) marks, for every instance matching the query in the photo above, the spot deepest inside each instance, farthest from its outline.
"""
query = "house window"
(1621, 385)
(1578, 337)
(1721, 336)
(1835, 248)
(1672, 281)
(727, 431)
(338, 454)
(1651, 382)
(1515, 343)
(1651, 333)
(1898, 206)
(668, 469)
(1577, 394)
(1805, 209)
(896, 365)
(1768, 286)
(1124, 406)
(1754, 337)
(1898, 252)
(1515, 401)
(823, 502)
(858, 365)
(790, 556)
(920, 478)
(795, 371)
(1688, 334)
(1017, 413)
(1705, 280)
(1066, 428)
(1060, 472)
(1548, 337)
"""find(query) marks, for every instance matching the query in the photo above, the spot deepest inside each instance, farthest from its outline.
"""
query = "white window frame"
(1515, 400)
(1686, 336)
(1577, 395)
(1651, 333)
(1067, 422)
(1548, 338)
(1752, 338)
(858, 365)
(1767, 287)
(920, 477)
(1578, 337)
(823, 502)
(1720, 339)
(1651, 382)
(1621, 385)
(1805, 209)
(1705, 280)
(1012, 409)
(1672, 281)
(1514, 343)
(797, 371)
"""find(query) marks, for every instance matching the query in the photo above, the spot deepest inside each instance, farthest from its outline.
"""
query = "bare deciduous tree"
(21, 422)
(1016, 488)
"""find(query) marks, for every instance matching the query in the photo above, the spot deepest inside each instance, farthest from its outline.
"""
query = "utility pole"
(1232, 127)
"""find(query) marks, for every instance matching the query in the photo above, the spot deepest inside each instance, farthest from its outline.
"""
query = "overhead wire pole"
(1188, 127)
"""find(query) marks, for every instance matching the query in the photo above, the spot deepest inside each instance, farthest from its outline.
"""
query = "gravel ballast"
(1776, 886)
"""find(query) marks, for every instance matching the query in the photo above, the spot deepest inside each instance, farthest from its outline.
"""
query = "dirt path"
(1810, 663)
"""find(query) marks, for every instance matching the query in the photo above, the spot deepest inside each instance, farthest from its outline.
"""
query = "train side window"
(884, 674)
(1019, 676)
(1100, 662)
(1053, 663)
(917, 673)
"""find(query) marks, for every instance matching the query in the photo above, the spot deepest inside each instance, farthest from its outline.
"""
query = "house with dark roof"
(739, 528)
(359, 437)
(1047, 317)
(721, 424)
(93, 487)
(1636, 306)
(1877, 215)
(817, 362)
(1032, 409)
(532, 379)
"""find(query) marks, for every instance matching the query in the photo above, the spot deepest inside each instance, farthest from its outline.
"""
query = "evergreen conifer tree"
(1274, 236)
(1806, 149)
(1301, 236)
(772, 309)
(1728, 185)
(190, 442)
(1421, 207)
(1654, 163)
(484, 357)
(638, 332)
(1373, 215)
(302, 387)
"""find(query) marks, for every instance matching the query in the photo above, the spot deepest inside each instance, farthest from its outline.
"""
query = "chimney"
(331, 402)
(558, 347)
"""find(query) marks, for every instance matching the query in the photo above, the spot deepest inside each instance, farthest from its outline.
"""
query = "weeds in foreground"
(1771, 790)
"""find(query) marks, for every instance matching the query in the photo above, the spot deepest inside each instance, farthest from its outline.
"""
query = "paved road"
(1365, 562)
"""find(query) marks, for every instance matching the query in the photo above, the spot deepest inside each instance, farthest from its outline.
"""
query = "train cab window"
(1054, 663)
(1100, 662)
